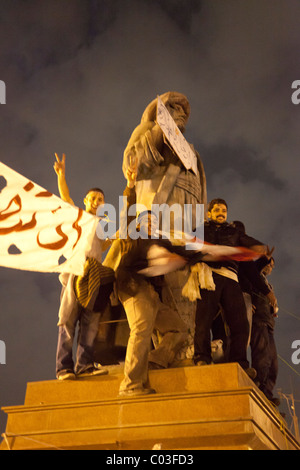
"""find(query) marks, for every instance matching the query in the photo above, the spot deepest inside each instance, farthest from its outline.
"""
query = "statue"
(162, 178)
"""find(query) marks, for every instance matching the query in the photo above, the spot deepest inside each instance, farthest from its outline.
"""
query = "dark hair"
(98, 190)
(262, 262)
(216, 201)
(142, 214)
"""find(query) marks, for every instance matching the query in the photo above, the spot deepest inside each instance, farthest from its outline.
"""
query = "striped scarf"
(87, 286)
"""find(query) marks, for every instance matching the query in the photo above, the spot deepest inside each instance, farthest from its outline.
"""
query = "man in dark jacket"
(250, 280)
(227, 294)
(263, 347)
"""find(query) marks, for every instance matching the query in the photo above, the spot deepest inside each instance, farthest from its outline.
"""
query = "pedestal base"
(208, 407)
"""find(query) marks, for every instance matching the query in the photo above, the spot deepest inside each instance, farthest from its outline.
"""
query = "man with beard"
(227, 293)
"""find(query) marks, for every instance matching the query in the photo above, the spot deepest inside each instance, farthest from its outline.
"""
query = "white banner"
(175, 137)
(38, 230)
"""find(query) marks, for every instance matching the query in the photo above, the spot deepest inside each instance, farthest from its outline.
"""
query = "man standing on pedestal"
(228, 292)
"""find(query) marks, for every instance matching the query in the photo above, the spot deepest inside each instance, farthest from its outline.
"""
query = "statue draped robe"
(162, 178)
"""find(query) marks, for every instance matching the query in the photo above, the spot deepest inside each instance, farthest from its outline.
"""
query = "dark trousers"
(264, 357)
(229, 296)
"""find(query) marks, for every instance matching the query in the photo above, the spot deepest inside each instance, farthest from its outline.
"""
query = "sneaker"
(66, 375)
(135, 392)
(92, 372)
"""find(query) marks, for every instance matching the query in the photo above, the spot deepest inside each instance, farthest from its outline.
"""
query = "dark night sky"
(78, 76)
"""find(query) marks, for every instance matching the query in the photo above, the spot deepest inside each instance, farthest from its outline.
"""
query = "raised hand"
(60, 169)
(60, 165)
(269, 252)
(131, 172)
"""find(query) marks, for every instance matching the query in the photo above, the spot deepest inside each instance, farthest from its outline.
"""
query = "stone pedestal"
(209, 407)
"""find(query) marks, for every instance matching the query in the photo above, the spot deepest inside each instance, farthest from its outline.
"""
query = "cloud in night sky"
(79, 75)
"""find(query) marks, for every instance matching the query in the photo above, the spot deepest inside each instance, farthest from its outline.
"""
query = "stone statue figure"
(162, 178)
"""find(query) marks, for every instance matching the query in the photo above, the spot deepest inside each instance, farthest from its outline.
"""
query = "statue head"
(177, 105)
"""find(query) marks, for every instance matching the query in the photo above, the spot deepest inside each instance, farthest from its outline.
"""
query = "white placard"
(175, 137)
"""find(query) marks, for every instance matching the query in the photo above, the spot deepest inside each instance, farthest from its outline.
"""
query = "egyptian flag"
(161, 261)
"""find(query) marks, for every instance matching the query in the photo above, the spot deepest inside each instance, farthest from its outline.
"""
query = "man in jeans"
(71, 313)
(227, 291)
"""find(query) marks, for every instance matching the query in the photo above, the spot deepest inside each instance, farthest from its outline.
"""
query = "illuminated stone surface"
(209, 407)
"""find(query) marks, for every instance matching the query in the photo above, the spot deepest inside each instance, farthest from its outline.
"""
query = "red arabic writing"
(21, 226)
